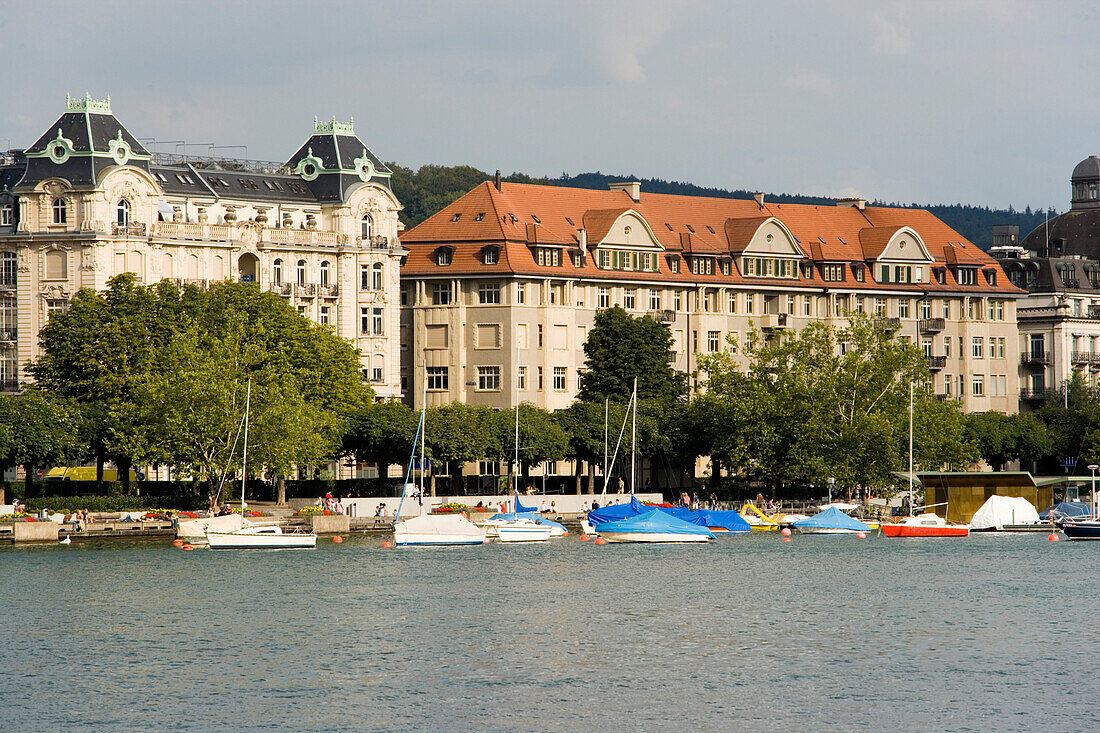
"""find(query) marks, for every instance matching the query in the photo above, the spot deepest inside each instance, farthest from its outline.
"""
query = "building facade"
(501, 287)
(87, 201)
(1059, 265)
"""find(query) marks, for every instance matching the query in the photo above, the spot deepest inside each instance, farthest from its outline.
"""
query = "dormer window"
(702, 265)
(366, 226)
(443, 256)
(490, 255)
(456, 217)
(859, 273)
(966, 276)
(940, 274)
(5, 215)
(832, 272)
(767, 267)
(60, 211)
(674, 264)
(548, 256)
(122, 212)
(990, 276)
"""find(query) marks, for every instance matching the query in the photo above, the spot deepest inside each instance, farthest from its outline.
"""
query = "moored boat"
(925, 525)
(261, 536)
(523, 530)
(438, 529)
(653, 526)
(1081, 529)
(830, 521)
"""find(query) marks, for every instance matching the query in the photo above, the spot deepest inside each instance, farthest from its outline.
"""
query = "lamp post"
(1093, 467)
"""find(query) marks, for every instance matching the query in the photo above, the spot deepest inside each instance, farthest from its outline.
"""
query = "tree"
(382, 433)
(458, 433)
(41, 431)
(541, 438)
(621, 348)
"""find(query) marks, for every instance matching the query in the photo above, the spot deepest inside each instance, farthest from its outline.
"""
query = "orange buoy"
(387, 543)
(860, 535)
(188, 547)
(584, 538)
(786, 539)
(1053, 537)
(600, 541)
(486, 541)
(177, 543)
(786, 531)
(337, 539)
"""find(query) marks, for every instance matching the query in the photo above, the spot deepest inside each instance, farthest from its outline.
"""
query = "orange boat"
(925, 525)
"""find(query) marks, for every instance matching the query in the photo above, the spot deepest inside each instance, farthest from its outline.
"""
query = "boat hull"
(901, 530)
(194, 530)
(424, 540)
(536, 533)
(1086, 530)
(265, 541)
(653, 537)
(825, 530)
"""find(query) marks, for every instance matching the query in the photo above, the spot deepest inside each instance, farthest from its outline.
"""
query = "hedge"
(113, 503)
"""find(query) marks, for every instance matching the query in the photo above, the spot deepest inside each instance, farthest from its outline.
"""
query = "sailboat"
(520, 526)
(257, 535)
(927, 524)
(431, 529)
(650, 526)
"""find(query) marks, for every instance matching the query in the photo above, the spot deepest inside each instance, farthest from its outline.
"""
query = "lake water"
(746, 633)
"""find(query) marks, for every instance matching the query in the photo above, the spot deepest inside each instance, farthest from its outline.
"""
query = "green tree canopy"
(621, 348)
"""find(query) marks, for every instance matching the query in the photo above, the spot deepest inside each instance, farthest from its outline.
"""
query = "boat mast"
(911, 449)
(633, 434)
(244, 455)
(606, 404)
(515, 471)
(424, 429)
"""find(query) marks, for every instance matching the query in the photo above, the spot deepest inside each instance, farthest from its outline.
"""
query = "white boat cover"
(997, 511)
(196, 528)
(440, 524)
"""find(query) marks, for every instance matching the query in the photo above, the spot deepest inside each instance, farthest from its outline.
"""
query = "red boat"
(925, 525)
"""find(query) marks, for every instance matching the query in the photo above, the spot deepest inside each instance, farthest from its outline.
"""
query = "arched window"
(123, 211)
(324, 274)
(377, 275)
(367, 226)
(301, 272)
(277, 272)
(60, 213)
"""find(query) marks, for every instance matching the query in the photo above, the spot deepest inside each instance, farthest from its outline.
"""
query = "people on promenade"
(16, 505)
(622, 484)
(338, 505)
(543, 508)
(553, 507)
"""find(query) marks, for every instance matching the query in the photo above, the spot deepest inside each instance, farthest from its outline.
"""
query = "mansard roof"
(519, 217)
(334, 159)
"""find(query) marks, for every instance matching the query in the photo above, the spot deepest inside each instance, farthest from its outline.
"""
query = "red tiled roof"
(522, 214)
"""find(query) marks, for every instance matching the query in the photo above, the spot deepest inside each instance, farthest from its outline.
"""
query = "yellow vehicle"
(85, 473)
(758, 521)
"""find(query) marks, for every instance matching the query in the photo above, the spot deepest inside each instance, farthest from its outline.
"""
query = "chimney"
(758, 197)
(497, 179)
(631, 188)
(857, 202)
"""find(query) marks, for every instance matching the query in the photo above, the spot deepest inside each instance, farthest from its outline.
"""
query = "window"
(366, 226)
(629, 298)
(603, 298)
(1001, 348)
(301, 272)
(655, 300)
(947, 346)
(377, 321)
(325, 316)
(674, 264)
(807, 305)
(56, 305)
(437, 378)
(677, 300)
(926, 346)
(487, 336)
(733, 302)
(488, 378)
(559, 378)
(364, 277)
(713, 340)
(488, 293)
(277, 272)
(832, 273)
(978, 385)
(376, 276)
(750, 303)
(790, 305)
(60, 212)
(5, 215)
(966, 276)
(521, 293)
(702, 265)
(376, 372)
(880, 306)
(926, 309)
(621, 259)
(903, 308)
(122, 212)
(521, 376)
(364, 321)
(548, 256)
(859, 273)
(976, 347)
(57, 265)
(10, 274)
(441, 293)
(540, 378)
(443, 257)
(840, 306)
(540, 336)
(324, 274)
(768, 267)
(490, 255)
(577, 258)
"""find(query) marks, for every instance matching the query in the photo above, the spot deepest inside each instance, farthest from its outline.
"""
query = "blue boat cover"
(653, 521)
(832, 518)
(730, 521)
(1066, 509)
(520, 508)
(611, 512)
(533, 516)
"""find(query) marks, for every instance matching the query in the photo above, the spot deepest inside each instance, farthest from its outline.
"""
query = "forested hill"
(427, 190)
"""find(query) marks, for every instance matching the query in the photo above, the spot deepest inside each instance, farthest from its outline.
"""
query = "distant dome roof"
(1087, 169)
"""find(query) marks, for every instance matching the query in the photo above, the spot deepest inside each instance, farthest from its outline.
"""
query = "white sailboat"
(256, 535)
(431, 529)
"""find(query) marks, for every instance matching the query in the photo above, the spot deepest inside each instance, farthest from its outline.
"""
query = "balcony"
(9, 385)
(9, 281)
(1035, 358)
(375, 242)
(182, 282)
(132, 229)
(328, 291)
(1032, 395)
(773, 322)
(887, 324)
(931, 325)
(300, 236)
(194, 232)
(936, 363)
(662, 316)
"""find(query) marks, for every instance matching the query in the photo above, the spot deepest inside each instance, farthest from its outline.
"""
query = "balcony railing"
(1034, 358)
(134, 229)
(196, 232)
(935, 363)
(931, 325)
(9, 385)
(887, 323)
(1031, 394)
(376, 241)
(662, 316)
(9, 334)
(328, 291)
(300, 236)
(773, 321)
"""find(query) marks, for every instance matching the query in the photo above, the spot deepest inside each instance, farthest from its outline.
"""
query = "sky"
(986, 102)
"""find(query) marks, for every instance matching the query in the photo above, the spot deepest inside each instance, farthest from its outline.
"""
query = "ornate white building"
(88, 201)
